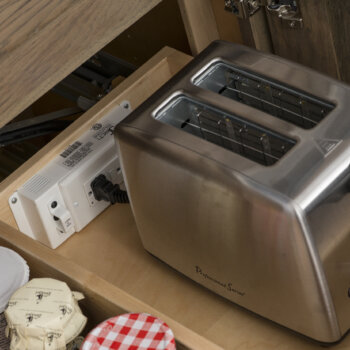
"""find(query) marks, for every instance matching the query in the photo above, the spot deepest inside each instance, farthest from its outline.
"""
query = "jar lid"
(14, 273)
(44, 314)
(131, 331)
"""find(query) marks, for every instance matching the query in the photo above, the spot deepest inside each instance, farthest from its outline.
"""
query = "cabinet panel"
(311, 45)
(339, 20)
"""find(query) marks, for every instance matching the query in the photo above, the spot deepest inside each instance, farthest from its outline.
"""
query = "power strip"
(58, 200)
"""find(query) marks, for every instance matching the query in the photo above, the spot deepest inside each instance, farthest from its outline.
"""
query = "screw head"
(54, 204)
(97, 126)
(13, 200)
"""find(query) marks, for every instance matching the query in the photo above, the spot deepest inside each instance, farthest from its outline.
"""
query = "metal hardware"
(286, 10)
(93, 80)
(244, 8)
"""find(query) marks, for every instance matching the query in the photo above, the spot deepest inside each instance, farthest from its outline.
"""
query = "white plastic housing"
(58, 201)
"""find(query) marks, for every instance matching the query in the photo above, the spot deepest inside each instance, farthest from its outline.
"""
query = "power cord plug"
(104, 190)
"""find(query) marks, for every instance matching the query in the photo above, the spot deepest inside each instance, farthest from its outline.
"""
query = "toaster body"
(237, 171)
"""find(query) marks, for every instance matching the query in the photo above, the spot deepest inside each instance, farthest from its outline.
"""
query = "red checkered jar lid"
(131, 332)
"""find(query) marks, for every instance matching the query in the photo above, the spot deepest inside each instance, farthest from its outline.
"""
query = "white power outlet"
(113, 173)
(58, 200)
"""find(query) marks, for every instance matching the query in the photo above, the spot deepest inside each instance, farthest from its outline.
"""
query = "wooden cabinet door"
(322, 43)
(339, 22)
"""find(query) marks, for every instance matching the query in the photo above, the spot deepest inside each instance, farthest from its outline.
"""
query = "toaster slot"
(275, 98)
(236, 134)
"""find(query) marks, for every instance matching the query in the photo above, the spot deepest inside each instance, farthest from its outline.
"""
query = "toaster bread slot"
(236, 134)
(279, 100)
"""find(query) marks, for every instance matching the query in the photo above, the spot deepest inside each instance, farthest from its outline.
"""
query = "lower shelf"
(106, 261)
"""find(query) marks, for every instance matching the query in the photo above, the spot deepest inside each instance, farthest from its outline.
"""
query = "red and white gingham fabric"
(131, 332)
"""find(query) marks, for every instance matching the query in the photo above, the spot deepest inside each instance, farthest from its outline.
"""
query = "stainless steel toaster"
(238, 175)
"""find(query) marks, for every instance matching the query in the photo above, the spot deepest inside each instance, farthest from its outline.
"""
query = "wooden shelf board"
(42, 41)
(108, 263)
(121, 260)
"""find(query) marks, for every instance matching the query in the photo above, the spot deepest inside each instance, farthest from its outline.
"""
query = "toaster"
(238, 173)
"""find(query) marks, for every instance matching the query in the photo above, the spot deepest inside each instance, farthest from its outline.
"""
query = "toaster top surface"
(284, 126)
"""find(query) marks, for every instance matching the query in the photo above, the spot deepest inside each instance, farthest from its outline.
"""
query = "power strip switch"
(59, 201)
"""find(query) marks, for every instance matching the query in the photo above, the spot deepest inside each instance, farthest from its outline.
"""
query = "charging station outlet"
(58, 200)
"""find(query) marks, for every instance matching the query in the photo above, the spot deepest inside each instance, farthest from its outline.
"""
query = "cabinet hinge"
(286, 10)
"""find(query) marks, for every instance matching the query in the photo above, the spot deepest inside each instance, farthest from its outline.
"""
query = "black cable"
(103, 189)
(30, 132)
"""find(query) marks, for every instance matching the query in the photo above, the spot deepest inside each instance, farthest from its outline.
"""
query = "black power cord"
(104, 190)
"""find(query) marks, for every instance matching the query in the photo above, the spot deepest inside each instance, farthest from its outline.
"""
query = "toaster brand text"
(228, 286)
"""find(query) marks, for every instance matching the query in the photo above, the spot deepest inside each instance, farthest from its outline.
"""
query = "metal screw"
(14, 200)
(292, 24)
(54, 204)
(97, 126)
(126, 105)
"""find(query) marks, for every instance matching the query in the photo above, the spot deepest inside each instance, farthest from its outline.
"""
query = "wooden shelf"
(108, 263)
(42, 41)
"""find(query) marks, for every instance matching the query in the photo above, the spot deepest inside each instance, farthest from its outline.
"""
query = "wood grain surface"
(42, 41)
(339, 20)
(226, 22)
(312, 45)
(256, 32)
(200, 23)
(163, 26)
